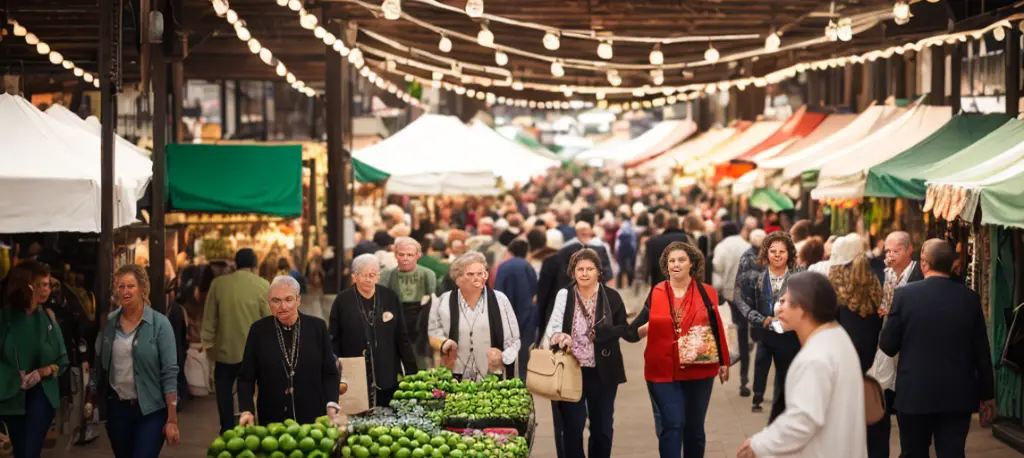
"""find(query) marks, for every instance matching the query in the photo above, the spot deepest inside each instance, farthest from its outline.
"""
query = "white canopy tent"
(792, 165)
(65, 116)
(661, 137)
(844, 174)
(49, 183)
(433, 155)
(689, 149)
(737, 145)
(509, 160)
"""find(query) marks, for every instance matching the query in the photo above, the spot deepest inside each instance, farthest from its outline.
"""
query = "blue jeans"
(133, 435)
(682, 407)
(224, 376)
(597, 404)
(28, 432)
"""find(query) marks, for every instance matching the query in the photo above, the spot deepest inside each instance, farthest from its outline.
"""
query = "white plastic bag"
(197, 372)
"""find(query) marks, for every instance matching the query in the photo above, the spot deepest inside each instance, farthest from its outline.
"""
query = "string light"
(500, 58)
(832, 31)
(551, 41)
(485, 37)
(19, 30)
(604, 50)
(392, 9)
(294, 5)
(307, 21)
(711, 54)
(330, 39)
(56, 58)
(254, 46)
(220, 7)
(282, 3)
(266, 56)
(557, 70)
(31, 39)
(475, 8)
(445, 45)
(656, 57)
(845, 32)
(901, 12)
(319, 32)
(772, 42)
(657, 77)
(43, 48)
(999, 33)
(241, 32)
(231, 16)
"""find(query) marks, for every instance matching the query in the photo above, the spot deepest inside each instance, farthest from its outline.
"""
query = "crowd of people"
(473, 284)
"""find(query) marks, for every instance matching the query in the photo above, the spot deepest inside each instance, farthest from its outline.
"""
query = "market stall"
(735, 146)
(423, 160)
(510, 161)
(801, 124)
(656, 140)
(65, 116)
(694, 147)
(992, 186)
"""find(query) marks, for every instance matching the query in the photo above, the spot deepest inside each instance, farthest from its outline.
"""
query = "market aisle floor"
(729, 422)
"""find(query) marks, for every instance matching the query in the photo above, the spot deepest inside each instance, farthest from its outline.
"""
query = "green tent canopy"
(770, 199)
(899, 177)
(235, 179)
(1002, 202)
(366, 173)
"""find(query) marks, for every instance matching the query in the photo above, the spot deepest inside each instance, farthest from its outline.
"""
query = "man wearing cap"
(234, 303)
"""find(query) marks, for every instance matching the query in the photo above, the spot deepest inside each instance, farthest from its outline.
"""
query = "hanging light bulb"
(551, 41)
(319, 32)
(281, 70)
(657, 77)
(557, 70)
(43, 48)
(391, 65)
(832, 31)
(78, 71)
(355, 56)
(266, 56)
(96, 83)
(901, 12)
(711, 54)
(338, 46)
(656, 57)
(500, 58)
(254, 46)
(295, 5)
(56, 58)
(604, 50)
(999, 33)
(330, 39)
(31, 39)
(599, 95)
(392, 9)
(68, 64)
(87, 77)
(436, 76)
(445, 45)
(19, 30)
(517, 85)
(242, 32)
(231, 17)
(845, 32)
(475, 8)
(638, 92)
(485, 37)
(220, 7)
(282, 3)
(772, 42)
(308, 21)
(290, 78)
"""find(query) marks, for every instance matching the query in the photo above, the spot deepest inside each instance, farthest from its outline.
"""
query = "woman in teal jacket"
(136, 385)
(32, 356)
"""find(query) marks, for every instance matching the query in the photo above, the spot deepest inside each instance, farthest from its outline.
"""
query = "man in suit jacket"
(657, 244)
(945, 370)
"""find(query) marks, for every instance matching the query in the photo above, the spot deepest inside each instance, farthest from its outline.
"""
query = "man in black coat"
(937, 328)
(657, 244)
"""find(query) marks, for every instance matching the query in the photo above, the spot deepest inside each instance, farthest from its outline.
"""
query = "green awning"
(1002, 203)
(366, 173)
(235, 179)
(900, 176)
(770, 199)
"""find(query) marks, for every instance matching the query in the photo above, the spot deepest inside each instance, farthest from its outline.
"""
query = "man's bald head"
(937, 257)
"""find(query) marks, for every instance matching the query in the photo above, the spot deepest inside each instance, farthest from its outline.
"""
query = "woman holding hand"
(588, 318)
(686, 349)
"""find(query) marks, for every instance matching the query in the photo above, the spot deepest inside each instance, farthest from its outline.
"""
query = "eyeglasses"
(286, 300)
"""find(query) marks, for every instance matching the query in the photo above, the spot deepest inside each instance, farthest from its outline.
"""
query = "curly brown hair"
(586, 254)
(762, 256)
(695, 256)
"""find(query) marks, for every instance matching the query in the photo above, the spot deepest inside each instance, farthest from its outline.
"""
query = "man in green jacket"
(415, 286)
(234, 303)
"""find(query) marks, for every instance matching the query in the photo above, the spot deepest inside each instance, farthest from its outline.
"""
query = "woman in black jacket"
(588, 319)
(366, 321)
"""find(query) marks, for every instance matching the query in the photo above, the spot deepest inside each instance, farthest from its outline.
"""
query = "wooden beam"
(1012, 71)
(937, 96)
(955, 73)
(157, 232)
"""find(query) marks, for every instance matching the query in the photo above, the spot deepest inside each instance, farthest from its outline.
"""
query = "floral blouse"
(582, 323)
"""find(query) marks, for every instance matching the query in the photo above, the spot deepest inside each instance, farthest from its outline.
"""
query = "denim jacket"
(155, 357)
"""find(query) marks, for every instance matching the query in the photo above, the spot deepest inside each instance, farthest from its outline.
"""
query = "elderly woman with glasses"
(288, 367)
(474, 326)
(367, 321)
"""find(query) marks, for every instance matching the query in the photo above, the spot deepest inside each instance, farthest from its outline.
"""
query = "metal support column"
(937, 96)
(337, 186)
(899, 76)
(1013, 71)
(955, 70)
(813, 89)
(879, 85)
(157, 233)
(856, 86)
(110, 65)
(177, 110)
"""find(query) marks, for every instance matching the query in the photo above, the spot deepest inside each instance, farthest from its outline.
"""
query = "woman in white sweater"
(824, 413)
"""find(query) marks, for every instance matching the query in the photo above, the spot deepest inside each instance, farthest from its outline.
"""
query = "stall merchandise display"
(432, 415)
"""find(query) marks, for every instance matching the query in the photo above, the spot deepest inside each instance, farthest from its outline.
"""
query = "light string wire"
(55, 57)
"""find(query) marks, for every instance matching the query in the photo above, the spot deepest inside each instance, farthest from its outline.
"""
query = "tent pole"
(1012, 57)
(157, 233)
(110, 64)
(955, 71)
(337, 186)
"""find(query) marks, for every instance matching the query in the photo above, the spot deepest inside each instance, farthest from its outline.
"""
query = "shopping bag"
(197, 371)
(356, 398)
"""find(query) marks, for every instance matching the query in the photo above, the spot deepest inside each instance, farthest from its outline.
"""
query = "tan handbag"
(555, 375)
(874, 401)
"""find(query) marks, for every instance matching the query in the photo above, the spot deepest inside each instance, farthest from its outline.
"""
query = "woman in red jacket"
(686, 349)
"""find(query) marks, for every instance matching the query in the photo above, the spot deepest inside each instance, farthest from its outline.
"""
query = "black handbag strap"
(493, 322)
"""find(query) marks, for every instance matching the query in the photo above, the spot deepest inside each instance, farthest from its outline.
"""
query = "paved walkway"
(729, 422)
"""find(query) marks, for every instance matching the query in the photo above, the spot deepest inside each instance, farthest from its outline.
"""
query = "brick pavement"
(729, 422)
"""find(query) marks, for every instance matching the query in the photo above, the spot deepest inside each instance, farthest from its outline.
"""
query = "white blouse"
(824, 414)
(475, 333)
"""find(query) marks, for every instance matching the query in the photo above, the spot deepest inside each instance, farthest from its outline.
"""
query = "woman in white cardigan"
(824, 413)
